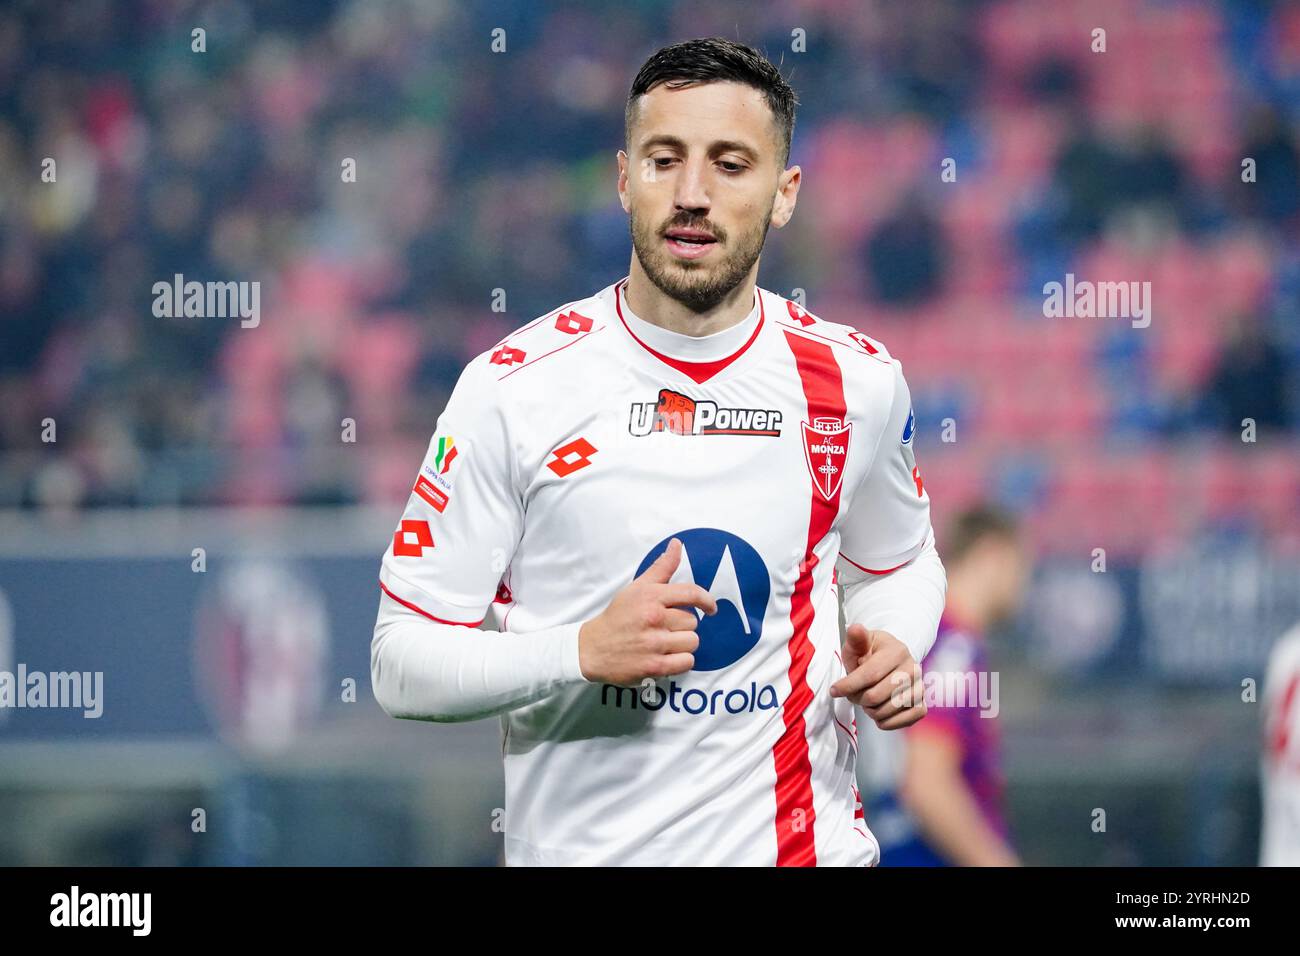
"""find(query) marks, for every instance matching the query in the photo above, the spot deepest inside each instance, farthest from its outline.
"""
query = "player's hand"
(647, 630)
(882, 678)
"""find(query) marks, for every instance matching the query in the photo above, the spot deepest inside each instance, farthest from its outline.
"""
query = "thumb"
(662, 568)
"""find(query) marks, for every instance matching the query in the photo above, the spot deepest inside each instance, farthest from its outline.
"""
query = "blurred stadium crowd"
(481, 170)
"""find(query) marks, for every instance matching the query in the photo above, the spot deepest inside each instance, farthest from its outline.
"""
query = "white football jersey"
(1279, 842)
(568, 456)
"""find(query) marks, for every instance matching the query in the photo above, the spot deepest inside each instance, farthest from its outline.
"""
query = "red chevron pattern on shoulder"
(545, 336)
(795, 316)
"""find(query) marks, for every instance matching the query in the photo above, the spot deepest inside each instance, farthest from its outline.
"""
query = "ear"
(787, 192)
(622, 181)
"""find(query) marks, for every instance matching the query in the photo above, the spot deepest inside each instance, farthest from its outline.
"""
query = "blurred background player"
(938, 788)
(1279, 842)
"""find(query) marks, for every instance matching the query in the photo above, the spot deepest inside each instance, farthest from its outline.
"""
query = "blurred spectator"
(1271, 143)
(1088, 170)
(1099, 178)
(905, 255)
(1251, 380)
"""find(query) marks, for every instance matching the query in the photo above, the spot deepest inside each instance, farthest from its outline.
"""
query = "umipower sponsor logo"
(680, 414)
(75, 908)
(71, 690)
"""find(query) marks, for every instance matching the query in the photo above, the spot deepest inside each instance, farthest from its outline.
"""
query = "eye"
(659, 161)
(734, 167)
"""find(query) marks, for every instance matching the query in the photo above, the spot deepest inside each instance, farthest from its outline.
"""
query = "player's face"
(702, 185)
(1010, 577)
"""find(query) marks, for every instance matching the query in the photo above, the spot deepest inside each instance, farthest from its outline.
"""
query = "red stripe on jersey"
(1280, 732)
(420, 610)
(853, 738)
(860, 567)
(872, 571)
(823, 388)
(698, 372)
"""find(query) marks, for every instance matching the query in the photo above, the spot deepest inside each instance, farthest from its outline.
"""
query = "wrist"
(575, 668)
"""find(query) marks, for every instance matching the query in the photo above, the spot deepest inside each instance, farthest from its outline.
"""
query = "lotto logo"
(404, 546)
(574, 323)
(798, 314)
(572, 456)
(506, 355)
(864, 342)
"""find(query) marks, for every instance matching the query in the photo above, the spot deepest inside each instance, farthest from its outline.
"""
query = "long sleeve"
(422, 669)
(907, 602)
(891, 573)
(462, 523)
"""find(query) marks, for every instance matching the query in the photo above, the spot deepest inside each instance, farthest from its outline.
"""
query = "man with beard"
(653, 491)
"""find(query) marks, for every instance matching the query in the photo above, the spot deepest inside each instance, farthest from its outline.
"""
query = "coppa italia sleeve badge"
(825, 446)
(435, 492)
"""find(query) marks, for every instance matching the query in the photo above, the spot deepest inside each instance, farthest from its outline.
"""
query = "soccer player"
(652, 491)
(1279, 841)
(950, 787)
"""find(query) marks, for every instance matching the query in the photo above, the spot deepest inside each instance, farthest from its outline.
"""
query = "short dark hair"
(713, 59)
(974, 525)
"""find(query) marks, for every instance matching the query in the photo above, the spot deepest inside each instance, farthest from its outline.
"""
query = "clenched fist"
(882, 678)
(647, 630)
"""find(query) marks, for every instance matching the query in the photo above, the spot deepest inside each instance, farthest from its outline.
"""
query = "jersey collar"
(699, 358)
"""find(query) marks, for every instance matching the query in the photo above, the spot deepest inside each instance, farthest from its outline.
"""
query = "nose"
(691, 194)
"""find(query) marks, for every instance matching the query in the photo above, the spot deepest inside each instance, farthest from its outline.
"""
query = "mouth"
(689, 243)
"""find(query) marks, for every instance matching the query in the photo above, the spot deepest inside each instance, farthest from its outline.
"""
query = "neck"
(650, 303)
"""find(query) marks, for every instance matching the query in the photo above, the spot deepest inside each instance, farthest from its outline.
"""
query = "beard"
(699, 286)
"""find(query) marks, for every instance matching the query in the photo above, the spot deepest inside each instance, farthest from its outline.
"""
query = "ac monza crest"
(825, 446)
